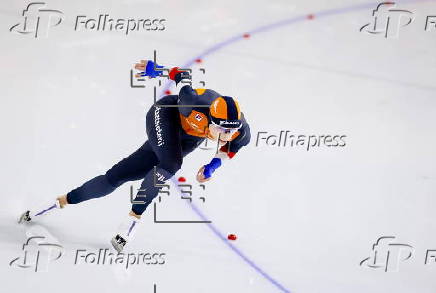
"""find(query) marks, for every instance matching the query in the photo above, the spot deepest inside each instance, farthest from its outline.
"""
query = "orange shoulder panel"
(195, 124)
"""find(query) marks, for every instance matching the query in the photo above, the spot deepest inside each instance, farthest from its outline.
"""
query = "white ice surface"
(306, 218)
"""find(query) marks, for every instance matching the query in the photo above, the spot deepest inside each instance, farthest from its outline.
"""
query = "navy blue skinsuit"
(165, 148)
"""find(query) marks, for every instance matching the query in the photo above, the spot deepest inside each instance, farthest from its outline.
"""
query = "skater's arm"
(152, 69)
(206, 171)
(187, 95)
(179, 75)
(148, 68)
(225, 153)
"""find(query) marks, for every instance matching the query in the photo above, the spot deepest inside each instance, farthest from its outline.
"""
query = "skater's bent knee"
(171, 167)
(112, 179)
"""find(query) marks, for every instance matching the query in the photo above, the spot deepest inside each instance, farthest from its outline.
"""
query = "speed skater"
(175, 126)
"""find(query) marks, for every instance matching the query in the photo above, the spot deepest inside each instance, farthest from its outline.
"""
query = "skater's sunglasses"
(225, 129)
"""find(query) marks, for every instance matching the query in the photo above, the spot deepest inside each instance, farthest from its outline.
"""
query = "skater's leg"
(170, 161)
(133, 167)
(150, 185)
(96, 187)
(164, 136)
(163, 130)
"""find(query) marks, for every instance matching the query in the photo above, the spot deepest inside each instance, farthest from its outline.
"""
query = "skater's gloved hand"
(200, 176)
(147, 68)
(207, 170)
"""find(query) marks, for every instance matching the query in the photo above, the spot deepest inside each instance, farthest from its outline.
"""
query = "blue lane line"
(235, 39)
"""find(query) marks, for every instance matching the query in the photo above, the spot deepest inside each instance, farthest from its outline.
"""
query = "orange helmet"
(224, 111)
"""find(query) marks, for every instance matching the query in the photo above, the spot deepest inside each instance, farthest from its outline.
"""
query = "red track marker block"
(232, 237)
(182, 179)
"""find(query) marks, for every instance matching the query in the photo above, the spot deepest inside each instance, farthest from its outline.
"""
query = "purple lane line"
(231, 246)
(285, 22)
(131, 228)
(44, 211)
(240, 37)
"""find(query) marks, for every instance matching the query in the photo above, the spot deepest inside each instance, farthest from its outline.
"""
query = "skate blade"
(23, 218)
(118, 247)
